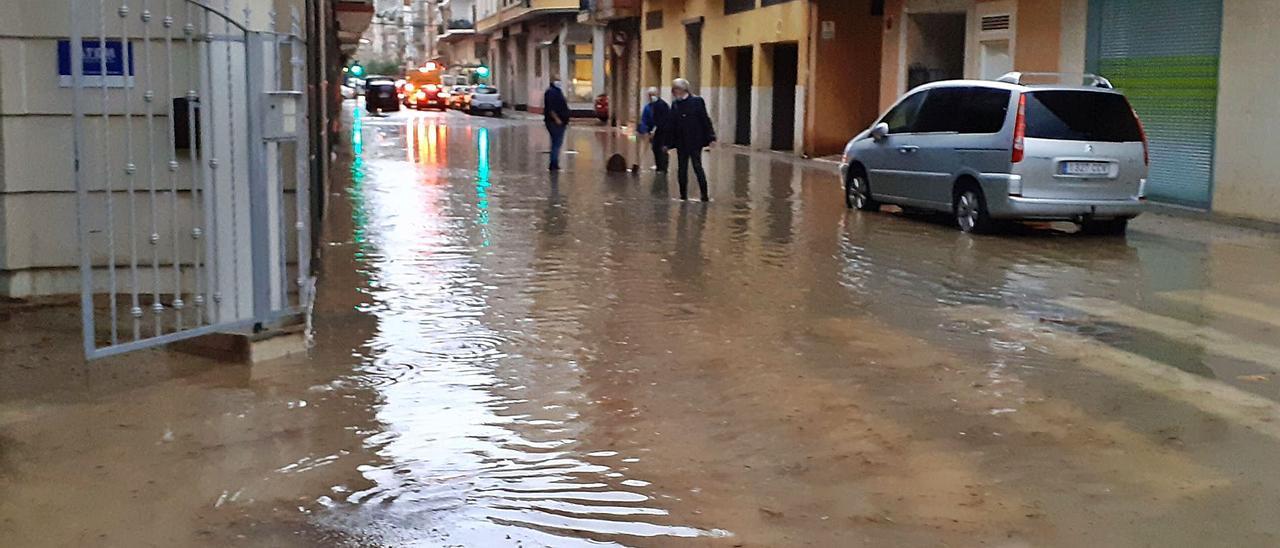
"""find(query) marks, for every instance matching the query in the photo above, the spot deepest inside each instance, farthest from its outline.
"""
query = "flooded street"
(507, 357)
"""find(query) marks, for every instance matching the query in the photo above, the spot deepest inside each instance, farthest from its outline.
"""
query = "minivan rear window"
(1081, 116)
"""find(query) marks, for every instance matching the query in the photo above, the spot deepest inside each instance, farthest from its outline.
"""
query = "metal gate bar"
(216, 237)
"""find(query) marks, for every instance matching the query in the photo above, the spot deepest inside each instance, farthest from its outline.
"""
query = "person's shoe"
(706, 199)
(553, 168)
(684, 198)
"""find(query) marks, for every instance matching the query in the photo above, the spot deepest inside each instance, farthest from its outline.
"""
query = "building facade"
(530, 40)
(1193, 70)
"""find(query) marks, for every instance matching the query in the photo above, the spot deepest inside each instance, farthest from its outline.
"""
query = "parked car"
(602, 107)
(485, 100)
(380, 95)
(459, 96)
(348, 92)
(993, 151)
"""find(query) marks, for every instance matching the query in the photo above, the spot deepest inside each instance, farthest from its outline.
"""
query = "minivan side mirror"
(880, 131)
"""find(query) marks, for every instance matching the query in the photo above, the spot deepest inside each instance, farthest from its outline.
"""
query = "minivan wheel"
(1111, 227)
(857, 194)
(971, 212)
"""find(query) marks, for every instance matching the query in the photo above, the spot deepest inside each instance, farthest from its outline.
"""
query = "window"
(902, 118)
(738, 6)
(486, 90)
(653, 20)
(940, 111)
(984, 111)
(1081, 116)
(771, 2)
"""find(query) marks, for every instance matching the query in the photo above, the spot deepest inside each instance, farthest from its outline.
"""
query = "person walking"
(651, 120)
(556, 115)
(688, 130)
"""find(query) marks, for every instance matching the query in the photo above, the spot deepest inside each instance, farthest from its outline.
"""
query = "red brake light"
(1146, 148)
(1020, 130)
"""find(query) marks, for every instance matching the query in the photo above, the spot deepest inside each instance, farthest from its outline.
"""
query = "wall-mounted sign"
(828, 30)
(114, 57)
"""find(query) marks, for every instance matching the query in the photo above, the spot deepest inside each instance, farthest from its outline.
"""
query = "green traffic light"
(357, 70)
(483, 72)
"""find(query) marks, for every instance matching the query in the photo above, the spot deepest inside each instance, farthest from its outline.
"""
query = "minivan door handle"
(907, 149)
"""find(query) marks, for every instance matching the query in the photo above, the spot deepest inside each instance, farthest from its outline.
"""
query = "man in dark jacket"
(651, 122)
(556, 115)
(688, 130)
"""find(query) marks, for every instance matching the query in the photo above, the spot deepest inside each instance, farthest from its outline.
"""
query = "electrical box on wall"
(280, 116)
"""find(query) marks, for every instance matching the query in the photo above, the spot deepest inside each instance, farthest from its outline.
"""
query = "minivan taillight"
(1020, 130)
(1146, 147)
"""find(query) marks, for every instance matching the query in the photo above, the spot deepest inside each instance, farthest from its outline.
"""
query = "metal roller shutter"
(1164, 55)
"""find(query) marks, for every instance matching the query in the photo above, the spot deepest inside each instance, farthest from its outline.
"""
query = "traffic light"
(357, 70)
(482, 71)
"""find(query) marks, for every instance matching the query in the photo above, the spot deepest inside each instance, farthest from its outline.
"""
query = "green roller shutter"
(1164, 55)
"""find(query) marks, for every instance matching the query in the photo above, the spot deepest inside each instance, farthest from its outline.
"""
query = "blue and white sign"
(118, 59)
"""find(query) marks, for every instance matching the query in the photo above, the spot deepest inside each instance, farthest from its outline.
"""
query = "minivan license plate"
(1086, 168)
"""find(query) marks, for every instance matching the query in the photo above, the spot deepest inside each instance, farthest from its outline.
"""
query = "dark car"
(380, 95)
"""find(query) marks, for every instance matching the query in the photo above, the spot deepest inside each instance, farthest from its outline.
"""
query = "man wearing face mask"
(651, 121)
(556, 116)
(688, 130)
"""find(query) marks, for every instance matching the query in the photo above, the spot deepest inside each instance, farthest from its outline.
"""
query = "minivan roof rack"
(1093, 79)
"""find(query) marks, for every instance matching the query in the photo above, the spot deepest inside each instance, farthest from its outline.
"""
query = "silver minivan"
(994, 151)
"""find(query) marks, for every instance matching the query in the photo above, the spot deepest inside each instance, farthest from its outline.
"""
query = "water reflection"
(475, 428)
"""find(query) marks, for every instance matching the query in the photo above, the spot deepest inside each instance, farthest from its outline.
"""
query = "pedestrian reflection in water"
(688, 261)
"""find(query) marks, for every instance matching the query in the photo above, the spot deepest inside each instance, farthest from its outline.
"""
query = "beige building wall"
(39, 252)
(1037, 41)
(1246, 163)
(758, 29)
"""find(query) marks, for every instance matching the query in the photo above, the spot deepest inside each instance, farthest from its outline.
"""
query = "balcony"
(609, 10)
(515, 12)
(353, 18)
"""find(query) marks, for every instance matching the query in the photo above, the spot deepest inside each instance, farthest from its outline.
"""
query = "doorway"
(693, 51)
(935, 47)
(786, 59)
(653, 69)
(743, 57)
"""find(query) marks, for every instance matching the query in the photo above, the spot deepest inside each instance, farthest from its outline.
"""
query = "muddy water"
(509, 358)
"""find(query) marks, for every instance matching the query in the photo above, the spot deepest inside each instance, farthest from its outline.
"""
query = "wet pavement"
(506, 357)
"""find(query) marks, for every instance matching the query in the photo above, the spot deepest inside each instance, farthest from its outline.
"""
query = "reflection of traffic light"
(482, 71)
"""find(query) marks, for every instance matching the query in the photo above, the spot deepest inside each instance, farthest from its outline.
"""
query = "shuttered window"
(1164, 57)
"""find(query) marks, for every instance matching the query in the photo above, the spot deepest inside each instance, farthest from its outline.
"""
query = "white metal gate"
(191, 159)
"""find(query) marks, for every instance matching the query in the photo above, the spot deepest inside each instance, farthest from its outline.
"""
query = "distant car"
(988, 151)
(485, 100)
(428, 96)
(380, 95)
(602, 107)
(459, 96)
(348, 92)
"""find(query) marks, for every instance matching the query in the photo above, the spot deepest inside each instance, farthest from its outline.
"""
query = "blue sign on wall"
(118, 58)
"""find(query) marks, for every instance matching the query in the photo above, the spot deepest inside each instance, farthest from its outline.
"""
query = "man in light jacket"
(688, 130)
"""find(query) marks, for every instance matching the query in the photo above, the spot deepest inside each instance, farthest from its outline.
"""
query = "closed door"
(931, 163)
(889, 161)
(785, 60)
(742, 102)
(1165, 59)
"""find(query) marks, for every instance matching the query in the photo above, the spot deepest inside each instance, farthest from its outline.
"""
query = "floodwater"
(505, 357)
